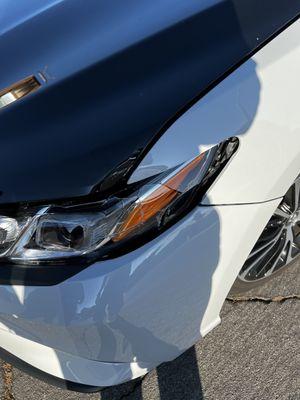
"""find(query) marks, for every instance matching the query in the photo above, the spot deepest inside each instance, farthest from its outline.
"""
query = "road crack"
(7, 375)
(261, 299)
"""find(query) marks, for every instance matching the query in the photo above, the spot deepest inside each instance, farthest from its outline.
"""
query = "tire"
(277, 248)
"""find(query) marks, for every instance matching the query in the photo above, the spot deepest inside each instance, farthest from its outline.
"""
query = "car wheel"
(277, 247)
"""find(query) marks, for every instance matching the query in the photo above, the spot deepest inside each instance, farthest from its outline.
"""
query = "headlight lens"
(62, 232)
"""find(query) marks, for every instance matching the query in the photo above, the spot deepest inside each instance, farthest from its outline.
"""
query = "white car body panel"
(68, 366)
(258, 103)
(119, 318)
(118, 311)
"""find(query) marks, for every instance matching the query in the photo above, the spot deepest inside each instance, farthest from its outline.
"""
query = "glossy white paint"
(69, 367)
(117, 319)
(259, 103)
(145, 307)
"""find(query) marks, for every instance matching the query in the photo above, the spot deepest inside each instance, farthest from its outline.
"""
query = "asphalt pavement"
(253, 355)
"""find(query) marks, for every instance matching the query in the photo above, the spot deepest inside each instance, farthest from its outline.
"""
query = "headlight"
(97, 229)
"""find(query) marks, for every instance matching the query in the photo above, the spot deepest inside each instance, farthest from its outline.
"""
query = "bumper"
(66, 370)
(118, 319)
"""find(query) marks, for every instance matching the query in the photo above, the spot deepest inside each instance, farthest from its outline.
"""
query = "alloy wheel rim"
(279, 244)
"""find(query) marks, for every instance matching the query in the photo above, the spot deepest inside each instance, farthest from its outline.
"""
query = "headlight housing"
(63, 233)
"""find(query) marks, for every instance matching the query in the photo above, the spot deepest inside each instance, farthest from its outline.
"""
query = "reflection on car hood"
(115, 72)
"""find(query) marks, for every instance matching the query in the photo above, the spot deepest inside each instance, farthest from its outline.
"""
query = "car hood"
(115, 74)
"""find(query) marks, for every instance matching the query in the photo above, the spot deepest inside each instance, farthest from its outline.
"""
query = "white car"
(150, 161)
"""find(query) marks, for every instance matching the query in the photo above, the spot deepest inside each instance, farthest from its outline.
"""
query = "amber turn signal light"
(157, 200)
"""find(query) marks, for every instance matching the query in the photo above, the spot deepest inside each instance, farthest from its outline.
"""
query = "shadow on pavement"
(178, 379)
(183, 385)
